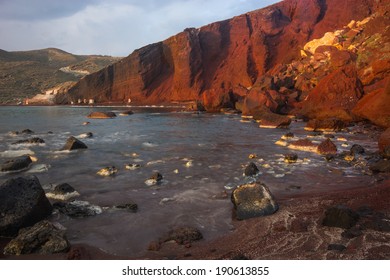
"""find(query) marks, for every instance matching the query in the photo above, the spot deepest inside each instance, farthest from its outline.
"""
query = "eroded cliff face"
(218, 64)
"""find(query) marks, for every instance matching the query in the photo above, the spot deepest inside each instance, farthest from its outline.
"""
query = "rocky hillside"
(26, 73)
(260, 54)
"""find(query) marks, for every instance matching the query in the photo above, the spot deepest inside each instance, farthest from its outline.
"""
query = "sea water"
(201, 157)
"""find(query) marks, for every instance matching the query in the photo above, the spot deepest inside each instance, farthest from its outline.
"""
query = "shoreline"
(293, 232)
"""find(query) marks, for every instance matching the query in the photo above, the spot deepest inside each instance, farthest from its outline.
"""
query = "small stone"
(31, 141)
(252, 156)
(27, 131)
(336, 247)
(352, 233)
(340, 216)
(156, 178)
(288, 135)
(349, 157)
(357, 149)
(329, 157)
(132, 166)
(291, 158)
(184, 235)
(131, 207)
(86, 123)
(251, 170)
(126, 113)
(101, 115)
(327, 147)
(86, 135)
(107, 171)
(62, 192)
(78, 208)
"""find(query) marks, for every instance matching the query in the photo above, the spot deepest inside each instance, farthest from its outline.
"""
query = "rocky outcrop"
(42, 238)
(15, 195)
(219, 63)
(329, 124)
(253, 200)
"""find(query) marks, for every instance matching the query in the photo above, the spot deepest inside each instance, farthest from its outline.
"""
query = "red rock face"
(220, 62)
(335, 96)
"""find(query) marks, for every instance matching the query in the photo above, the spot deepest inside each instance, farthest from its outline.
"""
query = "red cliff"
(219, 63)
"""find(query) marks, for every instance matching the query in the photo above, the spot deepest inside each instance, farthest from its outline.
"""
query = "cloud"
(115, 27)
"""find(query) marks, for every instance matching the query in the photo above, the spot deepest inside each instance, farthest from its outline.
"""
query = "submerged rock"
(73, 144)
(253, 200)
(156, 178)
(78, 208)
(86, 135)
(327, 147)
(42, 238)
(22, 203)
(126, 113)
(183, 235)
(131, 207)
(251, 170)
(107, 171)
(290, 158)
(101, 115)
(16, 164)
(27, 131)
(62, 192)
(341, 217)
(31, 141)
(132, 166)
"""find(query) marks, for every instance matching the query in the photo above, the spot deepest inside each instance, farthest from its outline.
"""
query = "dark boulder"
(101, 115)
(78, 208)
(42, 238)
(356, 149)
(251, 170)
(16, 164)
(22, 203)
(73, 144)
(253, 200)
(340, 216)
(31, 141)
(327, 147)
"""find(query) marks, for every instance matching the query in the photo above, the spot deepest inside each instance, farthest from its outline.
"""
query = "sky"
(107, 27)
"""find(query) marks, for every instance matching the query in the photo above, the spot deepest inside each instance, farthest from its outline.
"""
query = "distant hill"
(26, 73)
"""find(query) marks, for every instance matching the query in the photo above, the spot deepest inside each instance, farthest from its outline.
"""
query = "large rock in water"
(101, 115)
(22, 203)
(327, 147)
(253, 200)
(73, 144)
(16, 164)
(42, 238)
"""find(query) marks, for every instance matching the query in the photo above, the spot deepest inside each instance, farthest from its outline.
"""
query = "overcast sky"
(110, 27)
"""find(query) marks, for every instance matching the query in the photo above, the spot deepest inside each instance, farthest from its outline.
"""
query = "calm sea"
(199, 155)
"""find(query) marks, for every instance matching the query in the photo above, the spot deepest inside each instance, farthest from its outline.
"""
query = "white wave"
(149, 144)
(39, 168)
(16, 153)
